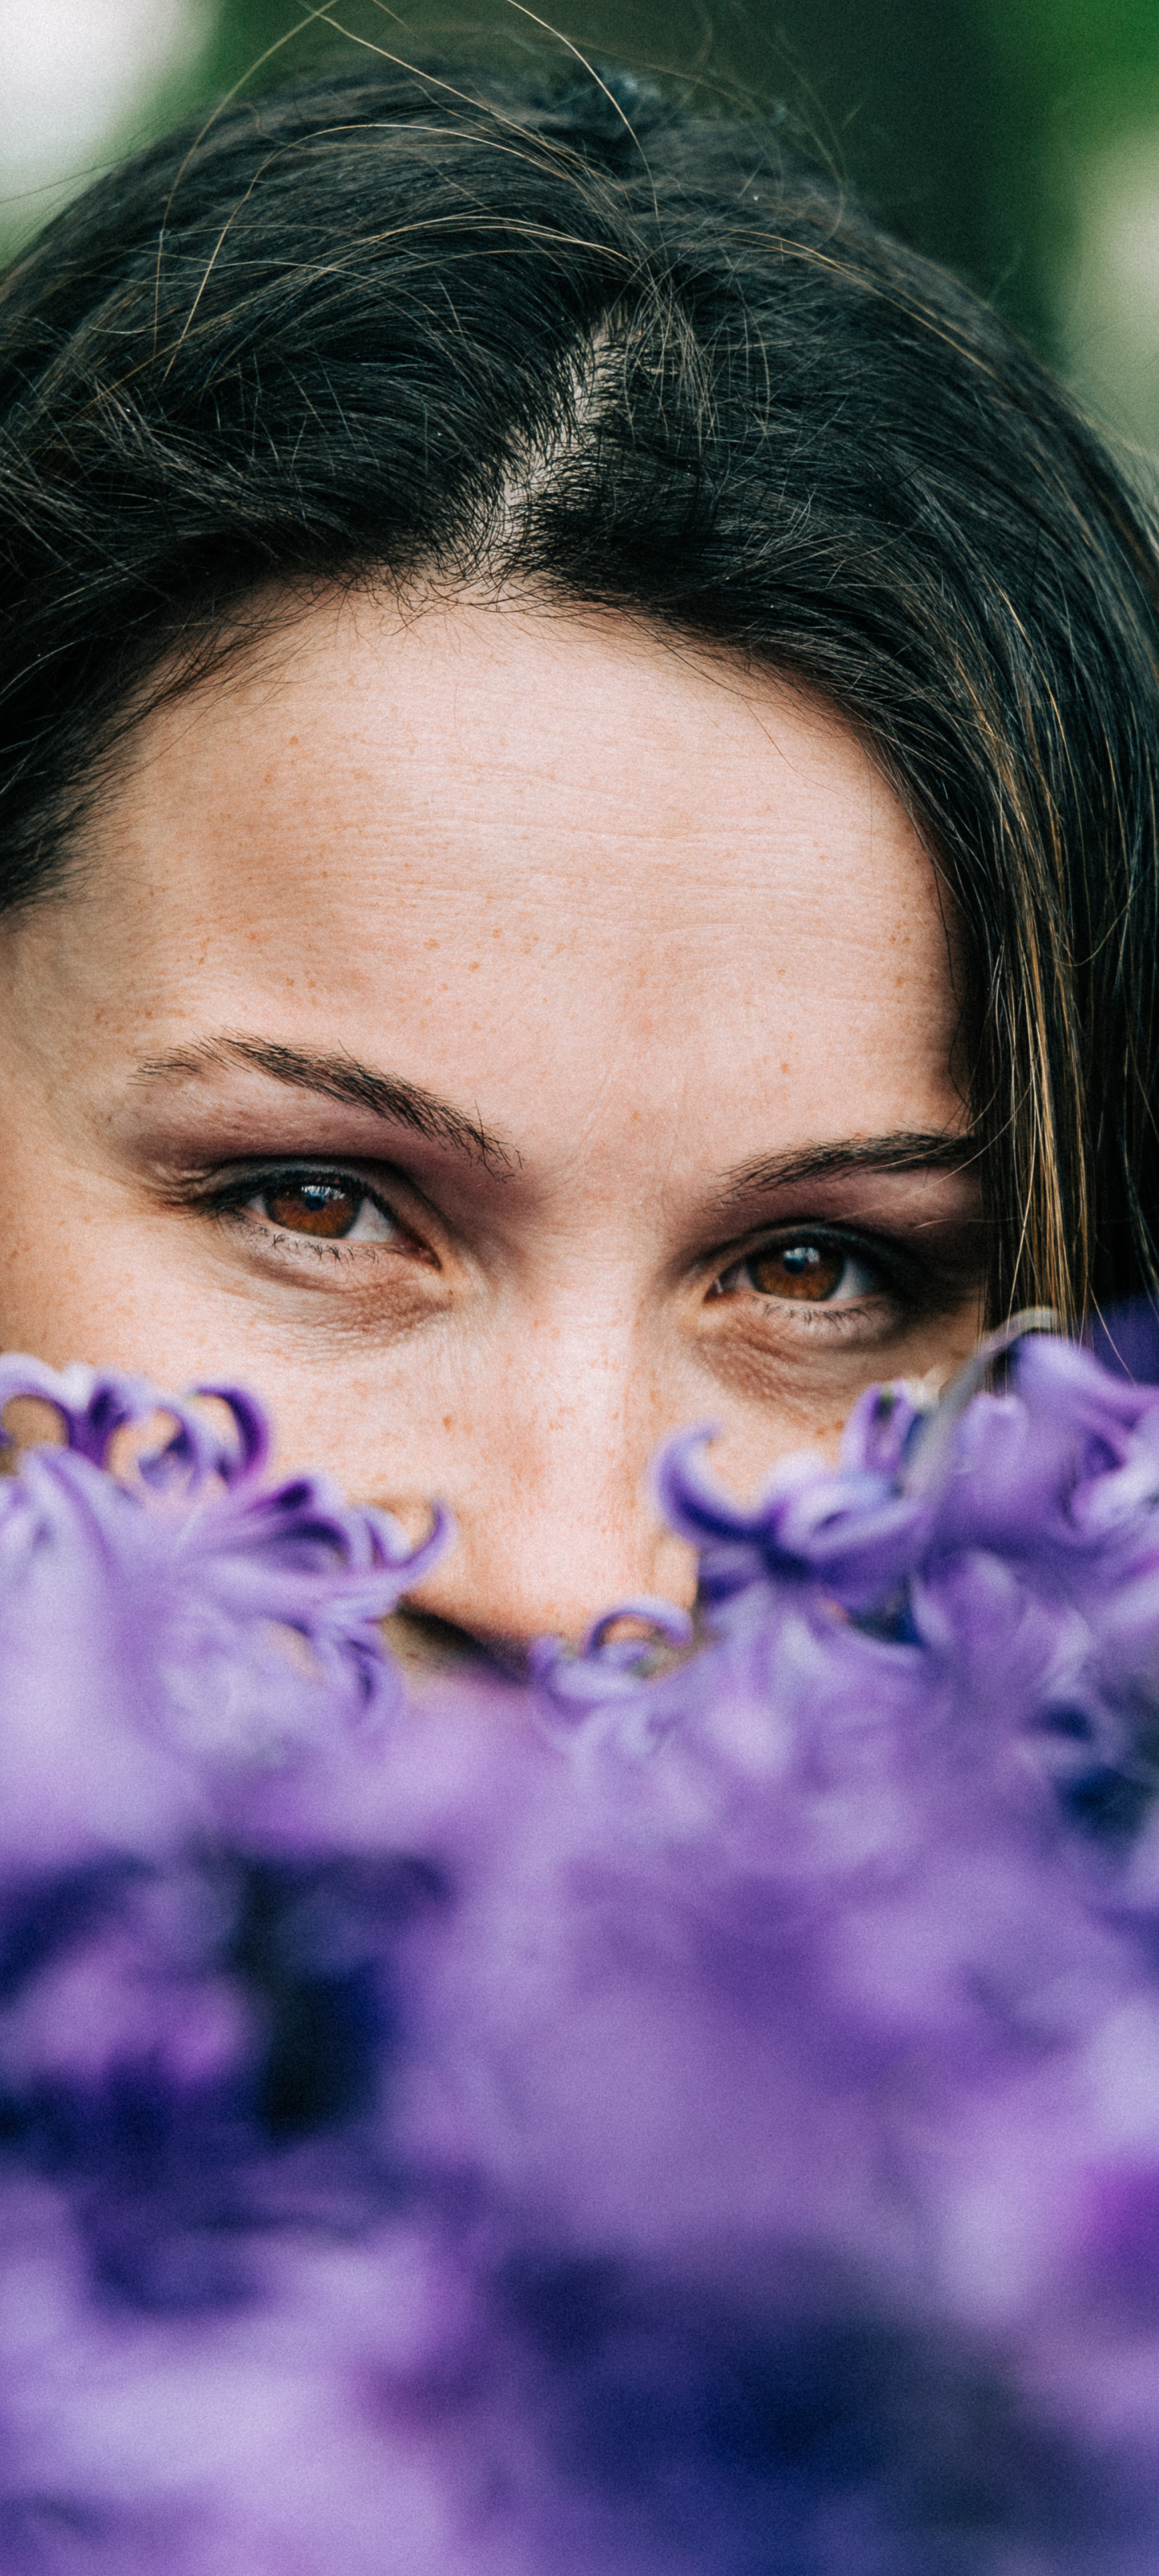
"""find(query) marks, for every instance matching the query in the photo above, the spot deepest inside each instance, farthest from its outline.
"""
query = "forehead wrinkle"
(902, 1150)
(341, 1077)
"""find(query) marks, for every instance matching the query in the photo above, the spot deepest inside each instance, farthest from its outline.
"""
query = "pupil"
(809, 1272)
(327, 1208)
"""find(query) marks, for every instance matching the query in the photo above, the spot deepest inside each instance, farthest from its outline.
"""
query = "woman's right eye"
(327, 1207)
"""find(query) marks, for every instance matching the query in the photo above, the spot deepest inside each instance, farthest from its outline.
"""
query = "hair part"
(432, 328)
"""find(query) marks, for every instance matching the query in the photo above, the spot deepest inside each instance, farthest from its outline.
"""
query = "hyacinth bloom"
(692, 2113)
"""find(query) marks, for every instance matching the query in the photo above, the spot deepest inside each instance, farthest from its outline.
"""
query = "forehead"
(542, 755)
(579, 830)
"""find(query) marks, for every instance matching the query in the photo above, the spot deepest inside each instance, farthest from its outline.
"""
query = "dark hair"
(432, 325)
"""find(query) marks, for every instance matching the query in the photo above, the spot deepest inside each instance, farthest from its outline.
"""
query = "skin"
(656, 933)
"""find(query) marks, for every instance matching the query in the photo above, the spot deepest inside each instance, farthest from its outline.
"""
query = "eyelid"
(889, 1258)
(247, 1179)
(925, 1269)
(230, 1194)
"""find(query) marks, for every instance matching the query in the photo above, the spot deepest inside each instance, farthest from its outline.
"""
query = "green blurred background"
(1016, 139)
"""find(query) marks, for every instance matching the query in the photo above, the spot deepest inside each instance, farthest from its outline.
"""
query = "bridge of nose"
(556, 1521)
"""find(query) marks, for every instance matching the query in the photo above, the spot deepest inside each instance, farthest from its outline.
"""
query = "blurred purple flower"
(697, 2110)
(177, 1637)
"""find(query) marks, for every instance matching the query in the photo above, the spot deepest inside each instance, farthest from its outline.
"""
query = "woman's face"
(499, 1038)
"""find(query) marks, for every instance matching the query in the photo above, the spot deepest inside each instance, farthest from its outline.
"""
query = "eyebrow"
(902, 1150)
(341, 1077)
(407, 1104)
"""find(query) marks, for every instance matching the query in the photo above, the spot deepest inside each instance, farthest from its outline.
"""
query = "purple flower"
(697, 2109)
(853, 1528)
(184, 1637)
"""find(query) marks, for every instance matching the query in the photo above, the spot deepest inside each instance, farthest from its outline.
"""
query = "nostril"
(530, 1568)
(425, 1645)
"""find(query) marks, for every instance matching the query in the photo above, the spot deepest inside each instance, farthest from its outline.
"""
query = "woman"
(579, 800)
(579, 806)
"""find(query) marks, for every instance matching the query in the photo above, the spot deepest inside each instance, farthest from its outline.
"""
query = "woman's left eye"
(328, 1207)
(806, 1270)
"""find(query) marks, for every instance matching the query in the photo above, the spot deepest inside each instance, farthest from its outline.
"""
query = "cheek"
(77, 1280)
(85, 1273)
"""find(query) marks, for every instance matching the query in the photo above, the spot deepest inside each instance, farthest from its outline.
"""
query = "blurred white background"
(1107, 291)
(78, 78)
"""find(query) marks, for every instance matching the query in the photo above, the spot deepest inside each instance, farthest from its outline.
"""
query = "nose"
(554, 1514)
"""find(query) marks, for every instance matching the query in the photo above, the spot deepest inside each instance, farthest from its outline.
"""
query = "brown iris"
(308, 1206)
(807, 1272)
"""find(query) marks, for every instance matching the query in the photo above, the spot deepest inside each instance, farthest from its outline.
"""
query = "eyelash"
(888, 1282)
(822, 1313)
(237, 1200)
